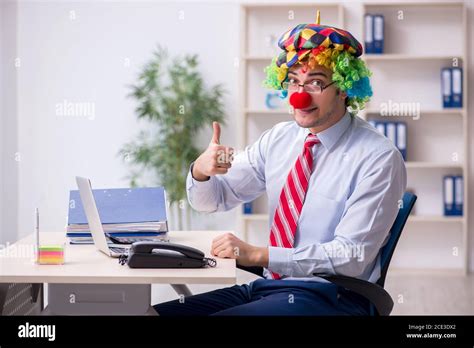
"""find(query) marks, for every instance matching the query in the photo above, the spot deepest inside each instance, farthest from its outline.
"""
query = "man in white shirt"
(334, 186)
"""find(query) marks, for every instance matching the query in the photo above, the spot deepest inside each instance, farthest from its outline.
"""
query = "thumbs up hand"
(216, 134)
(215, 160)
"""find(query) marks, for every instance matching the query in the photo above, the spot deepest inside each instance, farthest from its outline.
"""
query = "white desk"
(90, 282)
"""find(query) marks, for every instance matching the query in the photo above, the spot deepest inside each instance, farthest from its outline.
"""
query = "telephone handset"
(164, 255)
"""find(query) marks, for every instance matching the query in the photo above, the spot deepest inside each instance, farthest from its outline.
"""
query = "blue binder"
(120, 206)
(248, 208)
(401, 142)
(369, 33)
(446, 87)
(456, 85)
(458, 195)
(378, 33)
(448, 195)
(380, 126)
(391, 132)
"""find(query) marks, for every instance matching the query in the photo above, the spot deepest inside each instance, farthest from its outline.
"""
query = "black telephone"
(165, 255)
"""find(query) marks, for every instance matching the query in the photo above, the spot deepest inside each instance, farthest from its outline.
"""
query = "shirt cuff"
(198, 186)
(279, 260)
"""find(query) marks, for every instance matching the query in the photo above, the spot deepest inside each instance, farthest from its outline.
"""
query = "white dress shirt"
(352, 200)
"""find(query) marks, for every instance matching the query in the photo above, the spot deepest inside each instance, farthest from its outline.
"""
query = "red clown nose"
(300, 100)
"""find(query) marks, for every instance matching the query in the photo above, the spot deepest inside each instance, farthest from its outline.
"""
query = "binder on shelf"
(458, 195)
(248, 208)
(380, 126)
(401, 142)
(448, 195)
(396, 132)
(378, 33)
(456, 87)
(391, 130)
(446, 87)
(369, 33)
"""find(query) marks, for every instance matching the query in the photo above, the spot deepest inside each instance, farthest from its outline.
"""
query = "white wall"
(8, 123)
(82, 60)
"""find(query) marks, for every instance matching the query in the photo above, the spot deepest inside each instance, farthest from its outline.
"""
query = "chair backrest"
(395, 233)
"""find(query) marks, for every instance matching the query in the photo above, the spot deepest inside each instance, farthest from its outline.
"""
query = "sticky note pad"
(51, 255)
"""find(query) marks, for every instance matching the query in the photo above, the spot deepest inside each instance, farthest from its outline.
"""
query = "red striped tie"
(292, 197)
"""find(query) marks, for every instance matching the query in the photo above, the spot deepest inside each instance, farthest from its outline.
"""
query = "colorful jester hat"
(336, 49)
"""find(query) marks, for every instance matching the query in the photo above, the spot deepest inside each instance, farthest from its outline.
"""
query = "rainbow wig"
(336, 49)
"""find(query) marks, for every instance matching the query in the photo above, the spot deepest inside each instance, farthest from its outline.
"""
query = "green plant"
(173, 99)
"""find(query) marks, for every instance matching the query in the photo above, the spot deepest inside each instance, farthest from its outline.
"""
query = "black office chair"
(381, 302)
(21, 298)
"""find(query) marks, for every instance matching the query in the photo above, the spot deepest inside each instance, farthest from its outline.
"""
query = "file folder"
(378, 34)
(446, 87)
(456, 75)
(138, 206)
(369, 33)
(135, 213)
(248, 208)
(402, 139)
(380, 126)
(448, 195)
(390, 130)
(458, 195)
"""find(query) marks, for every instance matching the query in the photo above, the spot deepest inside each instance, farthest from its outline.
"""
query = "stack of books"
(131, 213)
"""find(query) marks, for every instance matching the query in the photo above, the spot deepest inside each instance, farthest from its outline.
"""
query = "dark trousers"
(270, 297)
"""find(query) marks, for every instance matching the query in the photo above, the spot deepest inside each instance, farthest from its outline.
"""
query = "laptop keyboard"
(118, 250)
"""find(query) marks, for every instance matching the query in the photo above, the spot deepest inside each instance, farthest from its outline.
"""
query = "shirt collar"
(330, 136)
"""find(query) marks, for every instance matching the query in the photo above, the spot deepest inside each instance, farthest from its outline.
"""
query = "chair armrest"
(377, 295)
(252, 269)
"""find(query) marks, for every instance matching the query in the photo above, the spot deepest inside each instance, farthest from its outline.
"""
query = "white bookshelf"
(428, 234)
(259, 21)
(429, 36)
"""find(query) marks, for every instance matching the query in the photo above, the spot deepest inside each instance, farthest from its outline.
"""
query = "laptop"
(93, 219)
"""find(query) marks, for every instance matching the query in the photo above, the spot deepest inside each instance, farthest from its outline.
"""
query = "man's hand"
(229, 246)
(215, 160)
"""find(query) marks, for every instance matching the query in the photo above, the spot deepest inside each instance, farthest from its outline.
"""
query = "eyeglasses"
(315, 86)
